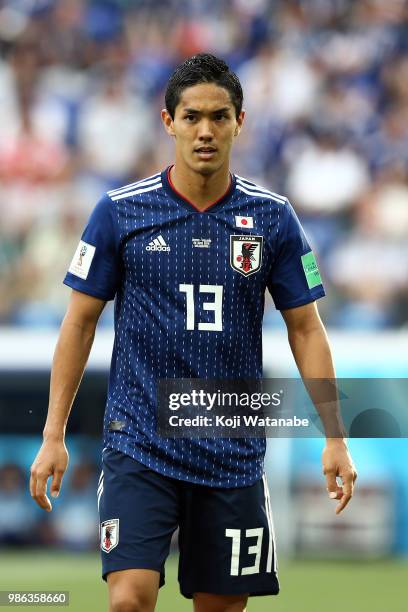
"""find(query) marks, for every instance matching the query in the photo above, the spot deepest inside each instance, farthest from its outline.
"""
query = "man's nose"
(205, 131)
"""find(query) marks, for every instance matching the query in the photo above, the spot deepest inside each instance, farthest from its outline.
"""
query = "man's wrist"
(53, 435)
(336, 441)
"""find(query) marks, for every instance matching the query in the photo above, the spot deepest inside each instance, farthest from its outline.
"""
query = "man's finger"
(40, 495)
(347, 491)
(332, 486)
(56, 483)
(32, 485)
(336, 494)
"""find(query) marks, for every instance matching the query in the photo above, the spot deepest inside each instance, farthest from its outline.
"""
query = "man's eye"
(190, 118)
(220, 117)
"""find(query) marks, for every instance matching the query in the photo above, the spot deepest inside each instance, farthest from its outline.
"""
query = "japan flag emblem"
(109, 535)
(247, 222)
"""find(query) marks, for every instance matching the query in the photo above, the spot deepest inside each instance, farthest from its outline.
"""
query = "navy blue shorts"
(226, 537)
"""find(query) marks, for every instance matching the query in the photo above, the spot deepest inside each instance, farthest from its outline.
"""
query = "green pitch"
(307, 586)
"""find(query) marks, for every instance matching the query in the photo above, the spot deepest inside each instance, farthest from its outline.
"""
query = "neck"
(201, 190)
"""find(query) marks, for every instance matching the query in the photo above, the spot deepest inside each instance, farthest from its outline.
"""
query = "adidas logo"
(158, 244)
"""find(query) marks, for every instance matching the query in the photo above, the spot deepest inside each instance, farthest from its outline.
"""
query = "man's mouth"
(206, 152)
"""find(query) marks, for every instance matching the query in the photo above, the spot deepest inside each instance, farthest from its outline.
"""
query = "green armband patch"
(311, 270)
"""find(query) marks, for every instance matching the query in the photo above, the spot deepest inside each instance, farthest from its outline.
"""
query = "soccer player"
(187, 254)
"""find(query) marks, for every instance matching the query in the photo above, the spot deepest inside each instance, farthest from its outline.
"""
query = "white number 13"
(256, 549)
(216, 306)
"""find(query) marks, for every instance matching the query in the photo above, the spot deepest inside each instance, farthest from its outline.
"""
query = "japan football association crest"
(246, 254)
(109, 535)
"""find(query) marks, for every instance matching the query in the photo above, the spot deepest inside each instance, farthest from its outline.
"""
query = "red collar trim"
(189, 201)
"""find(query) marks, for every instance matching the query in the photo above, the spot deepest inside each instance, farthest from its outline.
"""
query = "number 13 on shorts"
(239, 539)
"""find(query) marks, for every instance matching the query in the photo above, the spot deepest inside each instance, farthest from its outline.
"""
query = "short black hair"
(203, 68)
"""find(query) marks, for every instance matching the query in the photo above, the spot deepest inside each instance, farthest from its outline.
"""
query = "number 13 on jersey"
(215, 306)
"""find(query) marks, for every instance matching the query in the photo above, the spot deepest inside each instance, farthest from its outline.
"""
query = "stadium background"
(326, 95)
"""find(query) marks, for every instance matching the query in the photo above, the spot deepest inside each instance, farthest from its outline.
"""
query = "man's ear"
(167, 122)
(240, 121)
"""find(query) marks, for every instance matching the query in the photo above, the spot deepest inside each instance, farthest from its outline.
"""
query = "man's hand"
(52, 460)
(337, 461)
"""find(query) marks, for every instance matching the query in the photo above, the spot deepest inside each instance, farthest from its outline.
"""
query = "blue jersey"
(189, 290)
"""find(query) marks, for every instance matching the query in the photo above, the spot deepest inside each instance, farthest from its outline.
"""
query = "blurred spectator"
(75, 520)
(114, 132)
(369, 268)
(388, 145)
(326, 177)
(278, 82)
(19, 518)
(34, 160)
(38, 299)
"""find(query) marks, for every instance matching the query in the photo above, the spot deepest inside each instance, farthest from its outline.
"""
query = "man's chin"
(206, 168)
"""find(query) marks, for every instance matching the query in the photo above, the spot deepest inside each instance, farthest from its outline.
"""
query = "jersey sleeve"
(295, 278)
(95, 267)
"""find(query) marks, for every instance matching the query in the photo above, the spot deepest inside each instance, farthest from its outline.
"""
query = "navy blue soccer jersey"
(189, 291)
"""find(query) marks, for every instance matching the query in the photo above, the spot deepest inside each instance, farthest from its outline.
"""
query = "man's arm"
(310, 347)
(70, 357)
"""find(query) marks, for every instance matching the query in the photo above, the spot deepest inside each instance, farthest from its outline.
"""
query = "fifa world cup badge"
(81, 262)
(82, 253)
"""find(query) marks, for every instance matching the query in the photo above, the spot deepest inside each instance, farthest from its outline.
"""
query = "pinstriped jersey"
(189, 289)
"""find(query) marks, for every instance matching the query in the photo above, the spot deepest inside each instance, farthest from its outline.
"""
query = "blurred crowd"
(326, 96)
(73, 523)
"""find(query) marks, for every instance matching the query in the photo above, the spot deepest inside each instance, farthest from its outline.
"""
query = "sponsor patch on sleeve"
(311, 270)
(82, 260)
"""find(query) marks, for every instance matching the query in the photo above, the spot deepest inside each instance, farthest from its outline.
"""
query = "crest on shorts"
(246, 254)
(109, 535)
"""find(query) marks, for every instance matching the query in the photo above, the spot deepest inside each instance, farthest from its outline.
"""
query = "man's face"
(204, 127)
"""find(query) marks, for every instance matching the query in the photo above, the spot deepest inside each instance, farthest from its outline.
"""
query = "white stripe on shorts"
(100, 491)
(271, 546)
